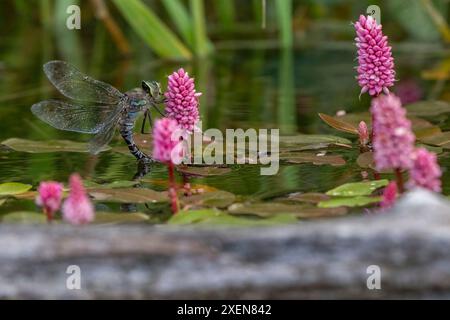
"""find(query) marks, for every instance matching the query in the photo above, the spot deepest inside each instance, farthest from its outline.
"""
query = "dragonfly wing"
(78, 86)
(76, 117)
(102, 138)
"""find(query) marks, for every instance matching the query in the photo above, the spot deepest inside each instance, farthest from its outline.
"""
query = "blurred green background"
(259, 63)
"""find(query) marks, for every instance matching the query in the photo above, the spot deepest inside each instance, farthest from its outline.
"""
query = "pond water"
(263, 88)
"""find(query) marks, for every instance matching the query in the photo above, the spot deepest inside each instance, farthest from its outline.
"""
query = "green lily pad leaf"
(439, 140)
(314, 158)
(128, 195)
(203, 171)
(365, 160)
(219, 199)
(215, 217)
(24, 217)
(266, 209)
(428, 108)
(357, 188)
(339, 124)
(115, 184)
(122, 217)
(358, 201)
(193, 216)
(12, 188)
(424, 133)
(312, 139)
(2, 201)
(310, 197)
(46, 146)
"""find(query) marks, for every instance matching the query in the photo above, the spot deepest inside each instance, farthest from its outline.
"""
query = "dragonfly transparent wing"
(78, 86)
(76, 117)
(102, 138)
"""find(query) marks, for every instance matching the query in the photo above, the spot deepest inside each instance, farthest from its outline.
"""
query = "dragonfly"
(97, 108)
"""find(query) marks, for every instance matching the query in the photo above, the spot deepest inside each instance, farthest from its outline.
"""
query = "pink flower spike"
(78, 208)
(363, 133)
(49, 197)
(425, 171)
(164, 142)
(389, 195)
(393, 139)
(182, 100)
(376, 65)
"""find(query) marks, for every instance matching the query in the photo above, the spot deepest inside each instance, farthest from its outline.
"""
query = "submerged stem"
(172, 189)
(399, 177)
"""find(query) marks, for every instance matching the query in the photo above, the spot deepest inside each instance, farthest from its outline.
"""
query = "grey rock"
(315, 259)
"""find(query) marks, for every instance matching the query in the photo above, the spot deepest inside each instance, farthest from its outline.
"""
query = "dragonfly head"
(153, 89)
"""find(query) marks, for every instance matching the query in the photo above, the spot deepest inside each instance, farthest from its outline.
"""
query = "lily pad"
(29, 217)
(357, 188)
(266, 209)
(358, 201)
(428, 108)
(112, 185)
(12, 188)
(440, 140)
(128, 195)
(219, 199)
(203, 171)
(314, 158)
(312, 139)
(2, 201)
(32, 146)
(339, 124)
(215, 217)
(122, 217)
(309, 197)
(365, 160)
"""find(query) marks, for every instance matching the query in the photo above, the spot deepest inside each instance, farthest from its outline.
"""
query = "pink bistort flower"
(389, 195)
(78, 208)
(182, 100)
(425, 171)
(164, 139)
(376, 64)
(393, 139)
(49, 197)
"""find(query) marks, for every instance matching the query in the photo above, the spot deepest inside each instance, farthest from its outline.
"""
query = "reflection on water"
(241, 89)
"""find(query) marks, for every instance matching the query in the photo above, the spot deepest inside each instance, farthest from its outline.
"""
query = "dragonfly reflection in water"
(98, 107)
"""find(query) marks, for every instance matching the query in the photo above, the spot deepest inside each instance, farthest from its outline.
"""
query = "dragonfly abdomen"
(126, 131)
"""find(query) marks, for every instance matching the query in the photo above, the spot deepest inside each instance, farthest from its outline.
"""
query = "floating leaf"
(314, 158)
(311, 197)
(2, 201)
(32, 146)
(357, 188)
(29, 195)
(215, 217)
(12, 188)
(266, 209)
(24, 217)
(365, 160)
(437, 150)
(203, 171)
(312, 139)
(358, 201)
(428, 108)
(112, 185)
(424, 133)
(122, 217)
(128, 195)
(339, 124)
(440, 140)
(219, 199)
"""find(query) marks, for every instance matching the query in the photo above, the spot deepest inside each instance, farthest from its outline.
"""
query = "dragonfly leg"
(157, 109)
(143, 122)
(149, 114)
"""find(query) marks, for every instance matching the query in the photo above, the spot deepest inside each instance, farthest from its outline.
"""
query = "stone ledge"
(315, 259)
